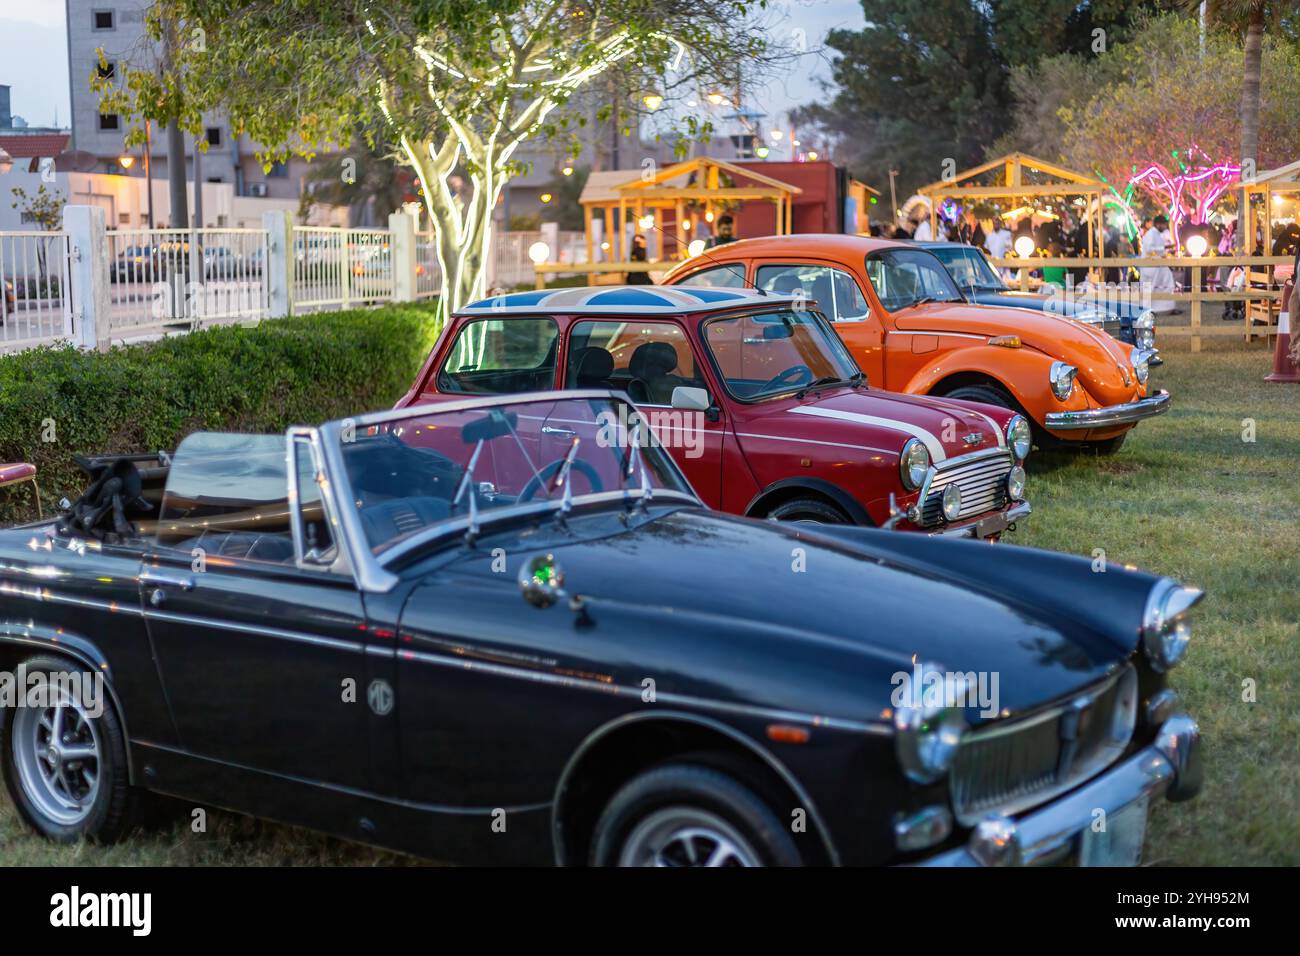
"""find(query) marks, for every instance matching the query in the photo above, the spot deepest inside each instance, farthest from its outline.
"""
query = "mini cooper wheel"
(689, 815)
(64, 759)
(808, 509)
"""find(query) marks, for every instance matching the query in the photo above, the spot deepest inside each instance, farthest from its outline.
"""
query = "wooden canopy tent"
(692, 190)
(1270, 185)
(1022, 177)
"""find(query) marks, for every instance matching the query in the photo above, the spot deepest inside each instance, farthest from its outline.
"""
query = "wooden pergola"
(1023, 177)
(692, 189)
(1269, 184)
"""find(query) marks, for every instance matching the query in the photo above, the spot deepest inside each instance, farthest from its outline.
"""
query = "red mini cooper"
(755, 397)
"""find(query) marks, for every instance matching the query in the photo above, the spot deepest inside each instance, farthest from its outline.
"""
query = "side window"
(501, 357)
(645, 359)
(729, 276)
(312, 539)
(835, 291)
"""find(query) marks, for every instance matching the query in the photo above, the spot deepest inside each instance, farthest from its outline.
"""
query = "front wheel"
(1108, 447)
(64, 755)
(684, 814)
(808, 509)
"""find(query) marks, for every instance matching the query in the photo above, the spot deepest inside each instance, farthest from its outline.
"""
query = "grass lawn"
(1186, 496)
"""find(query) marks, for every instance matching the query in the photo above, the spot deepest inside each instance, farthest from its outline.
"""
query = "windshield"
(762, 355)
(969, 268)
(409, 475)
(904, 277)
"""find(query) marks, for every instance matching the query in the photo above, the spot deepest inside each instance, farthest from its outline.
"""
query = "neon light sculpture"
(1187, 195)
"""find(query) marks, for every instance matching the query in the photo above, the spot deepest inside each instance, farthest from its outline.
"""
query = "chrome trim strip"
(44, 594)
(297, 636)
(1124, 414)
(950, 335)
(618, 690)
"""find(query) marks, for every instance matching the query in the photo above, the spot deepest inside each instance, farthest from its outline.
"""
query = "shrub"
(57, 402)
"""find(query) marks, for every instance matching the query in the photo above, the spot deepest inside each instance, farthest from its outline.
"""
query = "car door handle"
(552, 430)
(160, 581)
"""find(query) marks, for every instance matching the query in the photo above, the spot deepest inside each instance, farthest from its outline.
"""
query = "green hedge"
(142, 398)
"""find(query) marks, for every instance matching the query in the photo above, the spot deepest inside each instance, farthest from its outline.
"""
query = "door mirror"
(691, 398)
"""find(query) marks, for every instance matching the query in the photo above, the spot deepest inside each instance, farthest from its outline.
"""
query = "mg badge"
(380, 697)
(974, 438)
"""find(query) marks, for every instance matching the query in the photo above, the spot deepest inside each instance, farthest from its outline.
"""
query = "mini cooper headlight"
(1019, 437)
(914, 463)
(1139, 359)
(1062, 378)
(952, 501)
(1016, 483)
(1144, 330)
(928, 733)
(1166, 631)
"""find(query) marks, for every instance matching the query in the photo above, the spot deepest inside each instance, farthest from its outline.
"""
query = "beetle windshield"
(771, 353)
(415, 473)
(907, 277)
(969, 269)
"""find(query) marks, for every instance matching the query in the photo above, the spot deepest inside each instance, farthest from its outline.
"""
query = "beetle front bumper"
(1170, 766)
(1126, 414)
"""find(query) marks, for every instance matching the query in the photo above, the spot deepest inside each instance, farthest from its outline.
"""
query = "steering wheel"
(801, 372)
(550, 471)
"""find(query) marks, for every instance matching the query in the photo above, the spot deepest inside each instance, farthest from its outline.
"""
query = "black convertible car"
(504, 630)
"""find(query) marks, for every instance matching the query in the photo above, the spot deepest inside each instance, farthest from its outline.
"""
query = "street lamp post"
(148, 170)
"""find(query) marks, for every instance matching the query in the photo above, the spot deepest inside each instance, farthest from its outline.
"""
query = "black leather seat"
(402, 516)
(592, 367)
(250, 545)
(650, 367)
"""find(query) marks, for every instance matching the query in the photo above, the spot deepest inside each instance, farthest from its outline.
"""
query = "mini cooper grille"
(1009, 767)
(983, 487)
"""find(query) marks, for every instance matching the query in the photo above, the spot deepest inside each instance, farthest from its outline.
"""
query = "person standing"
(639, 254)
(726, 232)
(969, 230)
(998, 242)
(922, 231)
(1157, 279)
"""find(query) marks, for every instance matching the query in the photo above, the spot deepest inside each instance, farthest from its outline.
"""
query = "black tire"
(986, 394)
(689, 796)
(107, 816)
(1108, 447)
(808, 509)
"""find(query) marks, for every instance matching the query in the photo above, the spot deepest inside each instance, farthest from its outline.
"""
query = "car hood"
(765, 614)
(1102, 361)
(886, 420)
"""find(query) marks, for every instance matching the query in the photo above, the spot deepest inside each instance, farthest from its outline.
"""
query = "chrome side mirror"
(541, 580)
(690, 398)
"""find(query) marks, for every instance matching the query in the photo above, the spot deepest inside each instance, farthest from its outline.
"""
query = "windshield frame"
(819, 319)
(998, 284)
(372, 571)
(879, 255)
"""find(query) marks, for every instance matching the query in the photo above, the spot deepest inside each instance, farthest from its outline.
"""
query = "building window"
(278, 170)
(103, 19)
(214, 135)
(109, 122)
(108, 71)
(124, 218)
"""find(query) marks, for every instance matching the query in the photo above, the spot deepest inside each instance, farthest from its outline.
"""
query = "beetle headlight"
(928, 732)
(1144, 330)
(952, 501)
(1166, 631)
(914, 463)
(1016, 483)
(1019, 437)
(1061, 377)
(1139, 359)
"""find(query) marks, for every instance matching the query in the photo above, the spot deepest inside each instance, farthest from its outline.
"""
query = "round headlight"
(1166, 632)
(1019, 436)
(1144, 330)
(1016, 483)
(952, 501)
(1061, 377)
(929, 733)
(914, 463)
(1139, 359)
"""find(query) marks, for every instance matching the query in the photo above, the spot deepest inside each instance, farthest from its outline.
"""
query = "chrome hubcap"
(686, 836)
(57, 754)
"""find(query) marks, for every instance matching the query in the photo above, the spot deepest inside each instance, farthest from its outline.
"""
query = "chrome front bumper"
(1125, 414)
(1170, 766)
(987, 526)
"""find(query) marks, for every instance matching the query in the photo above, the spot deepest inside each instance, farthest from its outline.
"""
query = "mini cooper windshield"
(908, 277)
(771, 353)
(436, 467)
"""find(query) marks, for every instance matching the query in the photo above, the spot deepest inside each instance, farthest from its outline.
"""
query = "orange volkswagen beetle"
(907, 324)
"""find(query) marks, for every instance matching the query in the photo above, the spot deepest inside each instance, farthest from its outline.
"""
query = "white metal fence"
(93, 286)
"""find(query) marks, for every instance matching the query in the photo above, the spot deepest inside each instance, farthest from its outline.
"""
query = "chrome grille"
(1019, 763)
(983, 481)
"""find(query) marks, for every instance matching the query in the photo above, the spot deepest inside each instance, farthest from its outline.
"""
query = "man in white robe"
(1157, 279)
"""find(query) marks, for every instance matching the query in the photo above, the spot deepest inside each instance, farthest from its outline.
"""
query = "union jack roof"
(626, 300)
